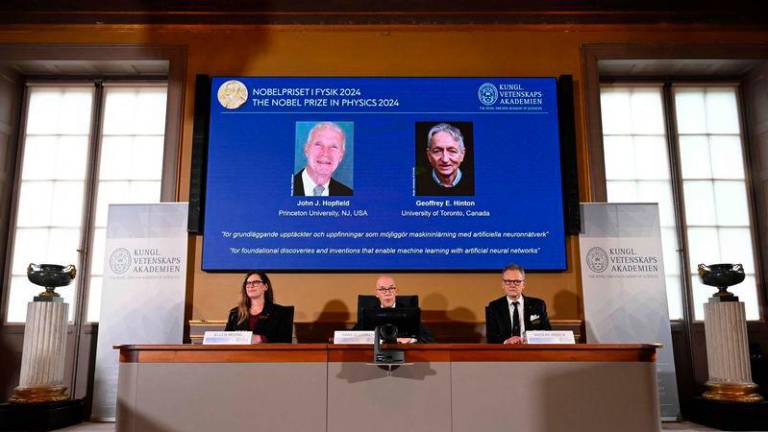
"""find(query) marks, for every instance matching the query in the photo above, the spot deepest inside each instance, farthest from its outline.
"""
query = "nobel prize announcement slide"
(448, 174)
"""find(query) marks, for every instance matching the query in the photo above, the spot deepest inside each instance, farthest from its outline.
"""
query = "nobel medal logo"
(120, 261)
(488, 94)
(232, 94)
(597, 260)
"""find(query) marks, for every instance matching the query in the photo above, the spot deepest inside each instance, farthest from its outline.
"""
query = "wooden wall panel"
(438, 50)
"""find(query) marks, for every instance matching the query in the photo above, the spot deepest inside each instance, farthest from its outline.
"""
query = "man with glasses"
(509, 317)
(386, 293)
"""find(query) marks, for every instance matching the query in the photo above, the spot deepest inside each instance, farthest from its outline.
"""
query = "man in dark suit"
(324, 151)
(509, 317)
(386, 293)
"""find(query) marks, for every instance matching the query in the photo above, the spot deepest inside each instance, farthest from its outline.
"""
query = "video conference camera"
(386, 333)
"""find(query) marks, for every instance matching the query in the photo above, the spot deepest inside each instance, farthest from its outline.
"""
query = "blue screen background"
(252, 157)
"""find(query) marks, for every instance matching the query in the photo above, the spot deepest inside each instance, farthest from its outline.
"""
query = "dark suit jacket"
(498, 323)
(424, 336)
(275, 323)
(426, 186)
(334, 188)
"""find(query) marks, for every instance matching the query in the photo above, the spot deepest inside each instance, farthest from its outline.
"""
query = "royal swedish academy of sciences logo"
(597, 260)
(488, 94)
(120, 261)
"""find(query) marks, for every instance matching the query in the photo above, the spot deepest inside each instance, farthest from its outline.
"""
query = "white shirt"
(520, 309)
(309, 185)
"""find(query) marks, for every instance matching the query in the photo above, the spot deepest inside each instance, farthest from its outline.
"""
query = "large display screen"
(383, 174)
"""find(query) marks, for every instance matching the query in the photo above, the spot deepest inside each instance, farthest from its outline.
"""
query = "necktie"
(318, 191)
(515, 320)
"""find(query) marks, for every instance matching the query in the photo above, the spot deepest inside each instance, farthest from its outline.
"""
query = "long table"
(445, 387)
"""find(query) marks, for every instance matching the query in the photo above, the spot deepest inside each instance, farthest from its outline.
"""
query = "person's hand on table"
(406, 340)
(514, 340)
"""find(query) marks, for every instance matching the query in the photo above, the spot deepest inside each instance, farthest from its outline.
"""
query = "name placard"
(227, 338)
(550, 337)
(353, 337)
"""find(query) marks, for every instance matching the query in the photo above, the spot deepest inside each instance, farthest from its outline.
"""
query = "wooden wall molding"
(313, 353)
(740, 12)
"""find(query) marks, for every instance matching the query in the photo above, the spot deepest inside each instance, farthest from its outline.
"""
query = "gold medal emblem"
(232, 94)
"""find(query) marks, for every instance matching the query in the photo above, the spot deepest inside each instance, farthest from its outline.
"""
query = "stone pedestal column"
(42, 361)
(730, 374)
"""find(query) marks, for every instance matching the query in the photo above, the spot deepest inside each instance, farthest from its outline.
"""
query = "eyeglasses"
(513, 281)
(251, 284)
(388, 289)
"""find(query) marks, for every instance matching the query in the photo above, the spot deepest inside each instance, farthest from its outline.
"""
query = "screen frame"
(569, 182)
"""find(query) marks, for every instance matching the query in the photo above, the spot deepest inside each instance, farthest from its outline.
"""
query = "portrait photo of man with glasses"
(509, 317)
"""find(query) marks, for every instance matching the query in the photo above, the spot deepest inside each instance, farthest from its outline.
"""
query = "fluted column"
(730, 373)
(42, 362)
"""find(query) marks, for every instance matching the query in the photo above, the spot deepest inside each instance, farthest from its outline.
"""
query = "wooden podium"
(319, 387)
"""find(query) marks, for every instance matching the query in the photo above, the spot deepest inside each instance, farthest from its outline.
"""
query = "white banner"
(625, 297)
(143, 290)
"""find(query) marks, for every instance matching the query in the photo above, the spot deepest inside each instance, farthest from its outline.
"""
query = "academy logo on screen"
(232, 94)
(120, 261)
(511, 96)
(488, 94)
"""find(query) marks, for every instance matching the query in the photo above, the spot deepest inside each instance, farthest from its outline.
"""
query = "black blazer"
(498, 323)
(335, 188)
(275, 323)
(424, 336)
